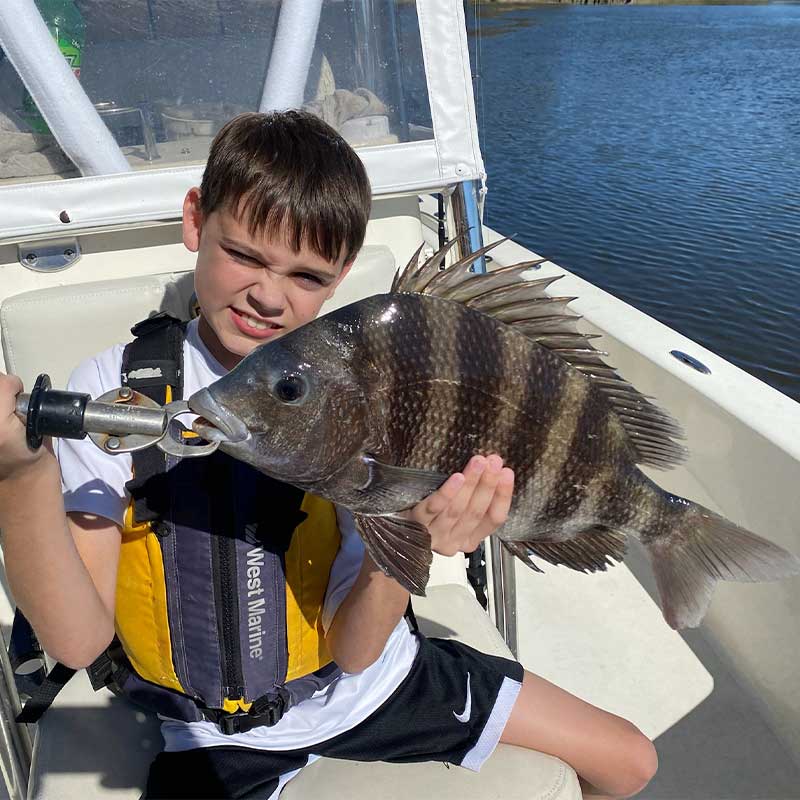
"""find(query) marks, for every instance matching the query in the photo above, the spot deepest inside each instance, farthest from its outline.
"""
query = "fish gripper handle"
(53, 413)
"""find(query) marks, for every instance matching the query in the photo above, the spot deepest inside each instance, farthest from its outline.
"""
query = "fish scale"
(398, 391)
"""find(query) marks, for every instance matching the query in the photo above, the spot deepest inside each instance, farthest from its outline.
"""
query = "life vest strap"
(411, 617)
(44, 694)
(153, 365)
(154, 360)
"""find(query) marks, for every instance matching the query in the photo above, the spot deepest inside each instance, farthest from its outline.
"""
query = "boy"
(276, 224)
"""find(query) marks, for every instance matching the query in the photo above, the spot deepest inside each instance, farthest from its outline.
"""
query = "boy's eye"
(237, 255)
(308, 277)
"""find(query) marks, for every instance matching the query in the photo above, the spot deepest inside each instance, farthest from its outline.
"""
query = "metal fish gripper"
(120, 421)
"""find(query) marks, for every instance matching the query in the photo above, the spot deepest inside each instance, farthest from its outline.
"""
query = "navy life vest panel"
(222, 576)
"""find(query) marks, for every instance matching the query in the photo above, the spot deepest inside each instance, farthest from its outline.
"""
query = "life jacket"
(222, 576)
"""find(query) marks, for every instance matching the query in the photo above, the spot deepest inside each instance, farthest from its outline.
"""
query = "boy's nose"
(267, 299)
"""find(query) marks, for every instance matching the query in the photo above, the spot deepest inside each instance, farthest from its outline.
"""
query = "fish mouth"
(215, 423)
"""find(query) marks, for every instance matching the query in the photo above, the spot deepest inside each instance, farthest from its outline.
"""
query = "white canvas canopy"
(375, 69)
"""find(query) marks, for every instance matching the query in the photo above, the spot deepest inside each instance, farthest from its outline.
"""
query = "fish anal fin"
(592, 550)
(399, 547)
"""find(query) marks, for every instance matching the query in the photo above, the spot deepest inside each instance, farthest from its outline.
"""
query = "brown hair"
(290, 174)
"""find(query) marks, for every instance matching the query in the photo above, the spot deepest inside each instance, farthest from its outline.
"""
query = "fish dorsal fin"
(592, 550)
(521, 301)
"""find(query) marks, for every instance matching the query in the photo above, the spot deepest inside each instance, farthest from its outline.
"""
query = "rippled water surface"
(655, 152)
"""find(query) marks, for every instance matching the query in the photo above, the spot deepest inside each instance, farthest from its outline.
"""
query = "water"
(653, 150)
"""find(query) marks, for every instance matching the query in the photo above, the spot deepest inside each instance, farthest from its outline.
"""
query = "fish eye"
(290, 389)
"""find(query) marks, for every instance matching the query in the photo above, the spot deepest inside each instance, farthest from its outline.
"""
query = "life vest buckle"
(231, 723)
(266, 711)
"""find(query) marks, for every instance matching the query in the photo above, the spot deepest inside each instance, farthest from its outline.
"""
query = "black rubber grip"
(54, 413)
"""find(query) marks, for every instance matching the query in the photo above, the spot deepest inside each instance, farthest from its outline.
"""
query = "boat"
(93, 171)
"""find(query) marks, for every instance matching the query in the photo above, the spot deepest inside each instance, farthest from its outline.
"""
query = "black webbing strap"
(46, 692)
(476, 573)
(100, 673)
(411, 617)
(24, 653)
(101, 670)
(150, 363)
(154, 359)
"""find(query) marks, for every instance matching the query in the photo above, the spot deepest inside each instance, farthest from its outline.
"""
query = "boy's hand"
(468, 506)
(15, 455)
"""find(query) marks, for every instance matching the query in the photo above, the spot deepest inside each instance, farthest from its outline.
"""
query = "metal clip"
(159, 422)
(183, 448)
(103, 425)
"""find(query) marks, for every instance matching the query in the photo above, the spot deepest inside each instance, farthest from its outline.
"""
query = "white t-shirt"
(94, 482)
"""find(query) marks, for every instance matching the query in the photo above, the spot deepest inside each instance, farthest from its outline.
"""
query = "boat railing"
(16, 753)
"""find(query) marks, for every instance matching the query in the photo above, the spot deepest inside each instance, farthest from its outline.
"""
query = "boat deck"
(725, 748)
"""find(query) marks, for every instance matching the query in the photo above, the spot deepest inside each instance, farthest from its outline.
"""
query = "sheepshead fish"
(373, 405)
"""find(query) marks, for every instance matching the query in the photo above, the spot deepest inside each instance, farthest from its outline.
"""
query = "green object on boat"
(68, 28)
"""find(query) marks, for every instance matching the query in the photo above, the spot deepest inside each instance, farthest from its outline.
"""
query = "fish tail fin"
(703, 548)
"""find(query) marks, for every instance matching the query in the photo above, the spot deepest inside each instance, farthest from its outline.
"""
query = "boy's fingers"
(470, 506)
(497, 512)
(474, 473)
(482, 495)
(434, 504)
(454, 492)
(10, 387)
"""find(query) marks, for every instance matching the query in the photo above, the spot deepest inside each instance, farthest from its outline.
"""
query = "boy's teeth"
(255, 324)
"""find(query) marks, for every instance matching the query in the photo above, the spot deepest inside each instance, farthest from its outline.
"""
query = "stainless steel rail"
(15, 747)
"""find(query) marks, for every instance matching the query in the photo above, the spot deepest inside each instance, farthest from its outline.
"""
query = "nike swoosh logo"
(465, 714)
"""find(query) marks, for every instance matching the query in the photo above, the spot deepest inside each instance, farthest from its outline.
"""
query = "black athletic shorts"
(452, 706)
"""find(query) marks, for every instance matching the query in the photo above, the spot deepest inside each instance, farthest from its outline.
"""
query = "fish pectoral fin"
(399, 547)
(592, 550)
(403, 485)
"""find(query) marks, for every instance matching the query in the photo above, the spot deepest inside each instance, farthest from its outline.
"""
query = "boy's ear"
(192, 220)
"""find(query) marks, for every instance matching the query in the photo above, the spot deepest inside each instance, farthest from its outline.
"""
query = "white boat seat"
(94, 746)
(53, 330)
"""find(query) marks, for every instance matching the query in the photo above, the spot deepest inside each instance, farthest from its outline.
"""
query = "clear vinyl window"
(165, 75)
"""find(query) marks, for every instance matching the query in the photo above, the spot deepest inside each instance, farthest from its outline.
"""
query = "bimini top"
(108, 107)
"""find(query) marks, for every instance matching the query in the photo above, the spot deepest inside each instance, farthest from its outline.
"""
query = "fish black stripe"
(533, 380)
(523, 430)
(564, 392)
(579, 468)
(409, 341)
(466, 354)
(623, 506)
(477, 352)
(656, 516)
(592, 508)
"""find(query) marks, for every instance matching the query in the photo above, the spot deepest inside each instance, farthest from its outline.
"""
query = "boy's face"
(251, 289)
